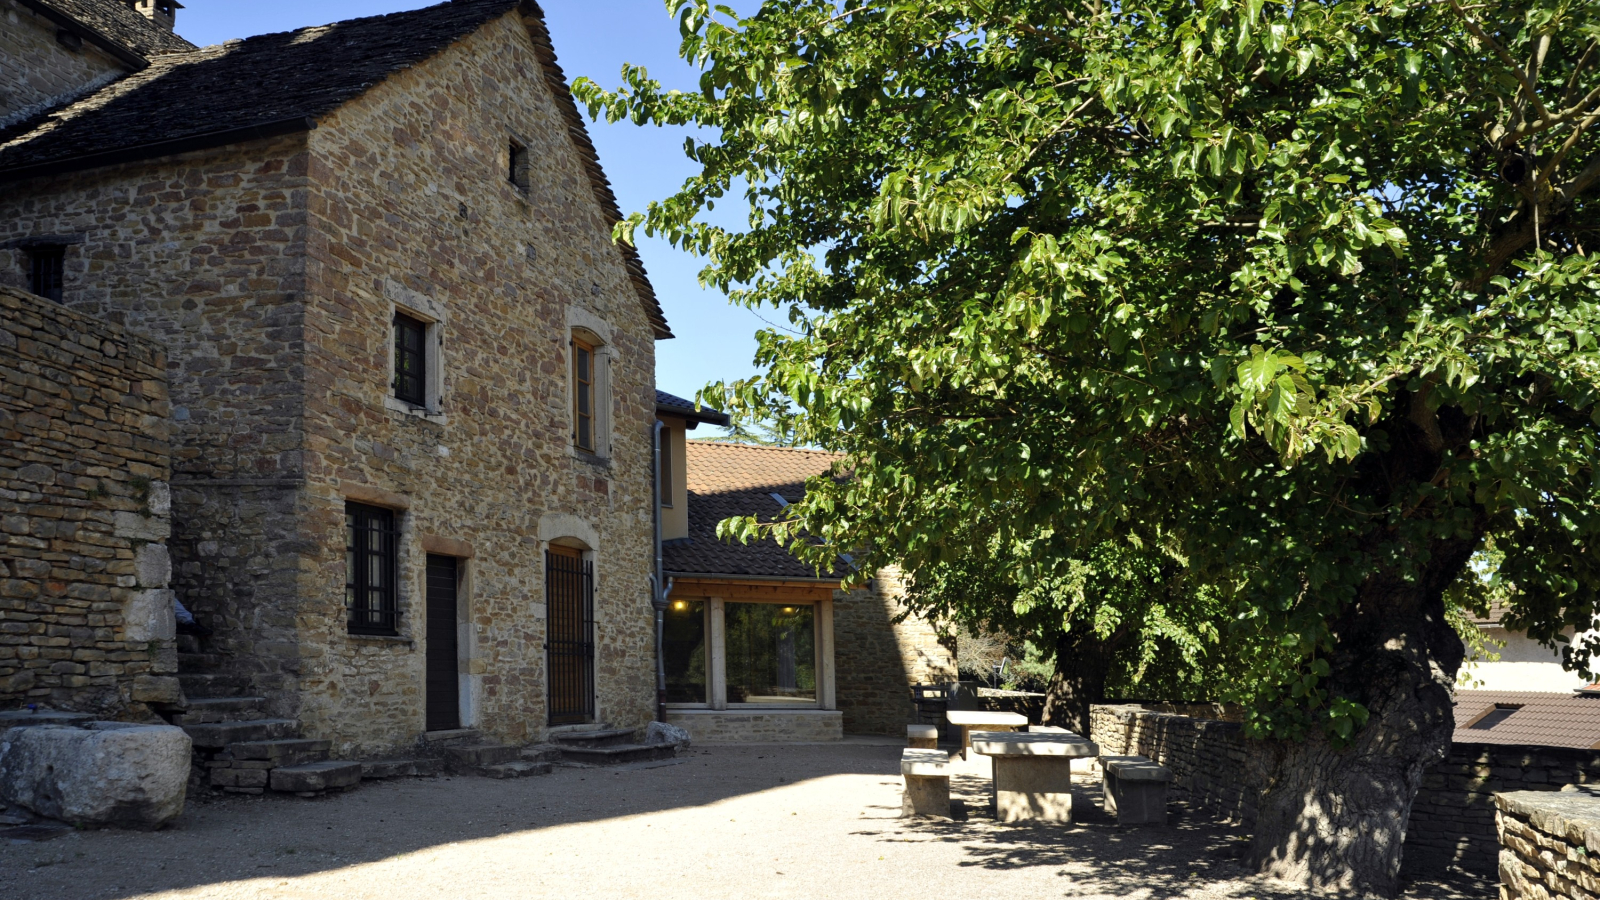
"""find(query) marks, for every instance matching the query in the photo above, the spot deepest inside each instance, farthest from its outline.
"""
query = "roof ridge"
(712, 442)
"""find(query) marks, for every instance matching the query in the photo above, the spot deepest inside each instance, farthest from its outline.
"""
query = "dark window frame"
(583, 395)
(410, 382)
(47, 271)
(372, 547)
(517, 166)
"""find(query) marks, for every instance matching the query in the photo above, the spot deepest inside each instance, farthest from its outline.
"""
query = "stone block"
(139, 527)
(663, 733)
(148, 616)
(157, 689)
(922, 737)
(152, 566)
(121, 775)
(1033, 788)
(316, 777)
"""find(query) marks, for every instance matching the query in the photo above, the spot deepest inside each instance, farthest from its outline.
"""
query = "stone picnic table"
(1032, 772)
(968, 719)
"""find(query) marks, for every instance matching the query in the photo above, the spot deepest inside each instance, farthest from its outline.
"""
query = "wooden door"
(442, 695)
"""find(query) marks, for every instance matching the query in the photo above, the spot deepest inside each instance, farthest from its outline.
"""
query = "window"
(683, 651)
(666, 467)
(771, 654)
(410, 360)
(371, 567)
(1500, 713)
(583, 395)
(47, 271)
(518, 169)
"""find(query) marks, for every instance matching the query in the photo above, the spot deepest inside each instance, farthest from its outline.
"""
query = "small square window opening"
(47, 272)
(410, 360)
(518, 170)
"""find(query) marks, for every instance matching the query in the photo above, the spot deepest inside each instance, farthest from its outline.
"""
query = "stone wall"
(878, 655)
(1549, 844)
(1452, 820)
(86, 618)
(777, 726)
(37, 71)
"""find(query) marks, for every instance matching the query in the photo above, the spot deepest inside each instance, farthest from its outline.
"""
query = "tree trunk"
(1335, 818)
(1083, 665)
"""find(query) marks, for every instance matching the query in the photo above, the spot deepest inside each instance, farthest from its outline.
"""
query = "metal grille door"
(443, 697)
(569, 609)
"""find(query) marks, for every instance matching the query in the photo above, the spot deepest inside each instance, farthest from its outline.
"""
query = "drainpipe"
(658, 594)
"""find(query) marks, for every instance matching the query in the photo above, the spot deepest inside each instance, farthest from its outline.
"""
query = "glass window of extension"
(583, 394)
(47, 272)
(371, 569)
(771, 654)
(410, 360)
(683, 651)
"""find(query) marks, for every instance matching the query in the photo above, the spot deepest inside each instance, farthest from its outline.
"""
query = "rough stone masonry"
(85, 611)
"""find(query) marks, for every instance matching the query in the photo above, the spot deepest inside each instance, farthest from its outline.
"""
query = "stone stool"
(1136, 789)
(927, 774)
(922, 737)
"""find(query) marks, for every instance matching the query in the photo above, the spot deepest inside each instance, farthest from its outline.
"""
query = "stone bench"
(922, 737)
(1032, 772)
(1136, 789)
(927, 774)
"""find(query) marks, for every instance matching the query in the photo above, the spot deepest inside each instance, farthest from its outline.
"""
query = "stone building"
(411, 374)
(757, 645)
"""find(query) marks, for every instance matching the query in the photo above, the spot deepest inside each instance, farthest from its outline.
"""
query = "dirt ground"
(750, 821)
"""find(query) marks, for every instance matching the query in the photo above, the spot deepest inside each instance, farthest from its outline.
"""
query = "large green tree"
(1304, 291)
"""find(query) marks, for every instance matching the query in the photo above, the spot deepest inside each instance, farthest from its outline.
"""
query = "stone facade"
(776, 726)
(56, 72)
(880, 653)
(272, 271)
(86, 618)
(1549, 844)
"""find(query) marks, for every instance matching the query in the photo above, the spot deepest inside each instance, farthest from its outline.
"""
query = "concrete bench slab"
(1032, 743)
(1033, 772)
(927, 777)
(922, 737)
(1135, 789)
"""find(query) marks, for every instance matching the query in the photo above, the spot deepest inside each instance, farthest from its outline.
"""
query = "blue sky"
(715, 340)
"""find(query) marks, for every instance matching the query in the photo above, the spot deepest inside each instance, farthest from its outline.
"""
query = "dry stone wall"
(1549, 844)
(46, 71)
(86, 618)
(878, 657)
(1209, 759)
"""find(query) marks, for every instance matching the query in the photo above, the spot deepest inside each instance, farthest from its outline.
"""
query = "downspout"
(658, 593)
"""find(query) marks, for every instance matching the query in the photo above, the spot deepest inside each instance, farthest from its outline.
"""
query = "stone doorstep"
(476, 756)
(519, 769)
(286, 752)
(314, 778)
(599, 737)
(542, 753)
(399, 768)
(616, 754)
(221, 734)
(451, 736)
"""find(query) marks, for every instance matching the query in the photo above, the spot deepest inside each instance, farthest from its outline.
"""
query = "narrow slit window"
(517, 171)
(410, 360)
(47, 272)
(371, 568)
(583, 395)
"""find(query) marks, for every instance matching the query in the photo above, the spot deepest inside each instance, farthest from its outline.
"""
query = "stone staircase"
(466, 753)
(238, 749)
(602, 745)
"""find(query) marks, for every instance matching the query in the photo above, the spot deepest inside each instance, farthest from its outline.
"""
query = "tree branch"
(1511, 63)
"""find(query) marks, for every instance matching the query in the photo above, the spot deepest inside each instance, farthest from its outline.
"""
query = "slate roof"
(736, 480)
(673, 405)
(276, 84)
(113, 21)
(1539, 719)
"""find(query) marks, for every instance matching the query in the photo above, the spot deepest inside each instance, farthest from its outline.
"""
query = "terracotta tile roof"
(1527, 717)
(738, 480)
(673, 405)
(279, 83)
(112, 21)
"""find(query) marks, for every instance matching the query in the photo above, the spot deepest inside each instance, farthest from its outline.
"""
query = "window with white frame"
(733, 654)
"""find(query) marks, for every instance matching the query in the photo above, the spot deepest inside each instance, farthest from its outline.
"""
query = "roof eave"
(707, 416)
(124, 54)
(159, 149)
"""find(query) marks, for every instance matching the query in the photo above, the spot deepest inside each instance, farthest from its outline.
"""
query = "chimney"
(161, 12)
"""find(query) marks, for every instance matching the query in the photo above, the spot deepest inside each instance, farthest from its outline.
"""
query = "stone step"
(217, 735)
(188, 643)
(542, 753)
(314, 778)
(222, 709)
(208, 685)
(617, 754)
(520, 769)
(598, 737)
(199, 663)
(285, 752)
(399, 768)
(476, 756)
(455, 737)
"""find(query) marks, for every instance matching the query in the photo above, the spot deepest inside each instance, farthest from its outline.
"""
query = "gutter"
(156, 149)
(125, 56)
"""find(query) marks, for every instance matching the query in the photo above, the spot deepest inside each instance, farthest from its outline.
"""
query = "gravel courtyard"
(750, 821)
